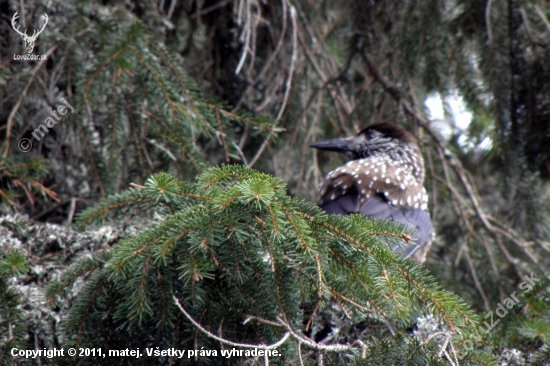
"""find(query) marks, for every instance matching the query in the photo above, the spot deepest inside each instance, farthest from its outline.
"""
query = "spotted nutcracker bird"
(383, 179)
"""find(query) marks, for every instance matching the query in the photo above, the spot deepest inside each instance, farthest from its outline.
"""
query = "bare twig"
(171, 9)
(312, 344)
(261, 320)
(241, 154)
(453, 360)
(226, 341)
(488, 21)
(260, 151)
(476, 279)
(271, 58)
(289, 333)
(72, 209)
(206, 10)
(245, 38)
(542, 16)
(292, 62)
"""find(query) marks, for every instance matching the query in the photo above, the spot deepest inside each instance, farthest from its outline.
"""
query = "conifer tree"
(164, 91)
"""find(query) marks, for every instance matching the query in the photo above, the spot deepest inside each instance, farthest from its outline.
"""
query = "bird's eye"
(374, 135)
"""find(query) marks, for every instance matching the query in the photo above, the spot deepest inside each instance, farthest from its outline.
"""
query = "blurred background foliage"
(178, 86)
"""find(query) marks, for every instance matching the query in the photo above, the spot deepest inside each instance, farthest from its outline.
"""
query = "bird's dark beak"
(338, 145)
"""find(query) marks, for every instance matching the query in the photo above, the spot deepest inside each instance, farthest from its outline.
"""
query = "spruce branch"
(235, 240)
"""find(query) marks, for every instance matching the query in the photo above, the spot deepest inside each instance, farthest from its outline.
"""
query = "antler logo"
(29, 40)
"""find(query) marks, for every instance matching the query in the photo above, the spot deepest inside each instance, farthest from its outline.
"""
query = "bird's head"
(378, 139)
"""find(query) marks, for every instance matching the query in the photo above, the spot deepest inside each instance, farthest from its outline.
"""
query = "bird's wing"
(378, 207)
(373, 176)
